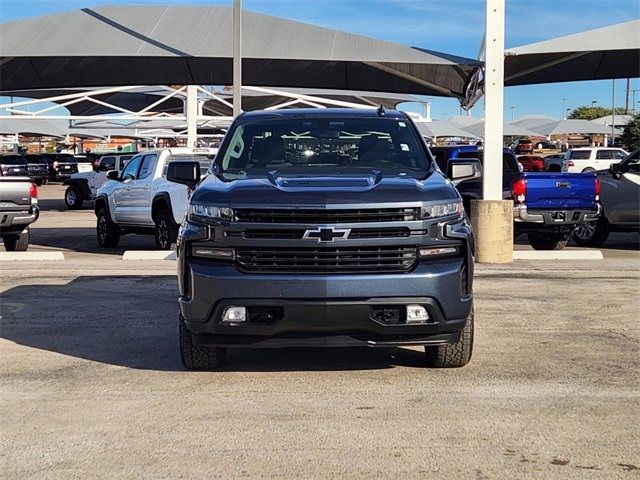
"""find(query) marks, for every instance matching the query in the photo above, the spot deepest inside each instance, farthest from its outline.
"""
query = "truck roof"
(319, 112)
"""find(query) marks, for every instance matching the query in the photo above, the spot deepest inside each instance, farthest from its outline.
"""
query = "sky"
(451, 26)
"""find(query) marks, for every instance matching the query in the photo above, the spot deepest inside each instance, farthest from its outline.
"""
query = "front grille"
(327, 216)
(326, 260)
(354, 234)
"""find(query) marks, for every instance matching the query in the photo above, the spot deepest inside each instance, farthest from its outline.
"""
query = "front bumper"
(327, 310)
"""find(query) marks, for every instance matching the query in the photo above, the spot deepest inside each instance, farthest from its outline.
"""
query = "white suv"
(141, 200)
(588, 159)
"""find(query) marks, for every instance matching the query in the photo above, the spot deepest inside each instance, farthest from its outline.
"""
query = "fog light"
(435, 251)
(416, 313)
(235, 315)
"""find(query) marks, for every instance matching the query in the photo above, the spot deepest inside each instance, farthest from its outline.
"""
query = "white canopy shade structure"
(531, 121)
(443, 129)
(464, 120)
(507, 130)
(615, 120)
(604, 53)
(586, 127)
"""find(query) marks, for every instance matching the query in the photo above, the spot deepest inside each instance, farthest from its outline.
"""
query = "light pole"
(564, 108)
(513, 109)
(593, 103)
(633, 101)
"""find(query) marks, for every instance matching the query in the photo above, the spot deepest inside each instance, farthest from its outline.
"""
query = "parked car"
(531, 163)
(589, 159)
(18, 209)
(37, 167)
(85, 162)
(549, 207)
(323, 227)
(523, 145)
(141, 200)
(553, 163)
(83, 186)
(61, 165)
(13, 166)
(544, 145)
(620, 197)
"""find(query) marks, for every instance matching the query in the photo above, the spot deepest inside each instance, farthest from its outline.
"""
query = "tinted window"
(604, 154)
(129, 173)
(619, 154)
(203, 160)
(66, 158)
(107, 163)
(148, 164)
(13, 160)
(580, 154)
(441, 155)
(323, 146)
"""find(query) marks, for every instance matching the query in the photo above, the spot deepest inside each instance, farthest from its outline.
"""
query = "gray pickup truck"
(18, 210)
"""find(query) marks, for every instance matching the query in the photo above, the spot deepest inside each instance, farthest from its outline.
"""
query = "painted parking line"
(557, 255)
(30, 256)
(148, 255)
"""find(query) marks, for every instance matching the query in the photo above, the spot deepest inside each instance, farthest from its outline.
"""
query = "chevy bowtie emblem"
(328, 234)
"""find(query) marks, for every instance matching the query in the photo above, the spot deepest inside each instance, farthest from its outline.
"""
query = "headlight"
(209, 213)
(442, 210)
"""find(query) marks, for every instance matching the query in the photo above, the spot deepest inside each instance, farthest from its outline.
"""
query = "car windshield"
(13, 160)
(323, 146)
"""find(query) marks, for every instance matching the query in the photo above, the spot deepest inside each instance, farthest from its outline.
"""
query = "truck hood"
(280, 190)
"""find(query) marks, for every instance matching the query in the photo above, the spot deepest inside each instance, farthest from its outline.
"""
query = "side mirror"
(113, 175)
(614, 168)
(185, 173)
(460, 170)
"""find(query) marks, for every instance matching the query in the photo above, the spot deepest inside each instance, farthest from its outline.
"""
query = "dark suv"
(38, 168)
(324, 227)
(13, 166)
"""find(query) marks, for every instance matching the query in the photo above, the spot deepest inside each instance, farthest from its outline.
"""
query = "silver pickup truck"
(18, 210)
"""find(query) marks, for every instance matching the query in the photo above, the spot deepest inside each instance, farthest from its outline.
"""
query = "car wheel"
(16, 242)
(73, 198)
(453, 355)
(107, 232)
(166, 230)
(592, 234)
(588, 169)
(547, 242)
(198, 357)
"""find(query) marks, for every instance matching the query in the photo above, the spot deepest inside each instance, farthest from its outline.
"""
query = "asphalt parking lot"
(91, 384)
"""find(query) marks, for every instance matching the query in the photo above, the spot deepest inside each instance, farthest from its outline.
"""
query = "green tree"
(631, 134)
(587, 112)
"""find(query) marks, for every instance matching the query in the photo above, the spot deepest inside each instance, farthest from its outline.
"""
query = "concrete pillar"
(492, 217)
(237, 57)
(192, 115)
(492, 222)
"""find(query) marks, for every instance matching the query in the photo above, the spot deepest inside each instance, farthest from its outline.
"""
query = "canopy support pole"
(192, 115)
(237, 57)
(492, 217)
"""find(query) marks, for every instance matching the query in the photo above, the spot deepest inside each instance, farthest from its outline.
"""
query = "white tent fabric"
(609, 119)
(573, 126)
(507, 129)
(443, 129)
(463, 120)
(531, 121)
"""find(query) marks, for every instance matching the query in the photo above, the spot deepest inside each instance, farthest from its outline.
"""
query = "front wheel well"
(159, 204)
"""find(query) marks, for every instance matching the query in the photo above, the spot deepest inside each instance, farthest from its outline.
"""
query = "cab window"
(148, 164)
(107, 163)
(604, 154)
(129, 173)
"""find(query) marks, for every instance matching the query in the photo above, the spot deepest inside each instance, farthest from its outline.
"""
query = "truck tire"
(592, 234)
(198, 357)
(588, 169)
(547, 242)
(166, 230)
(73, 198)
(107, 232)
(16, 242)
(454, 355)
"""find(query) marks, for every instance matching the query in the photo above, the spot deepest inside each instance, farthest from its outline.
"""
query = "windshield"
(34, 159)
(580, 154)
(310, 146)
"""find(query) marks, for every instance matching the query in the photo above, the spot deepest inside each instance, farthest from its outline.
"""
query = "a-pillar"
(492, 217)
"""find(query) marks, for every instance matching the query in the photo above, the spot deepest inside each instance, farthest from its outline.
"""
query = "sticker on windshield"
(402, 124)
(404, 147)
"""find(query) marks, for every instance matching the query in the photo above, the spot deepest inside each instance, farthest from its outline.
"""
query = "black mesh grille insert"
(326, 260)
(327, 216)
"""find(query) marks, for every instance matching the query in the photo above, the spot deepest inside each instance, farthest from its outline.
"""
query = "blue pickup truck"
(548, 207)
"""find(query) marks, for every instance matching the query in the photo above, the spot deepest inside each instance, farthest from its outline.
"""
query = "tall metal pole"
(613, 111)
(564, 108)
(493, 100)
(237, 57)
(192, 115)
